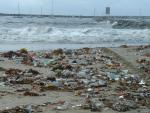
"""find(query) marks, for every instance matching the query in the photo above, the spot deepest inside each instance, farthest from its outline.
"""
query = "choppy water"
(41, 30)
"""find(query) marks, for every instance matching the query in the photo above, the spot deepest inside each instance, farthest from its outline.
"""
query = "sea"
(44, 33)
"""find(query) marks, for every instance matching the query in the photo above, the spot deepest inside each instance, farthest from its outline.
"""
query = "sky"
(77, 7)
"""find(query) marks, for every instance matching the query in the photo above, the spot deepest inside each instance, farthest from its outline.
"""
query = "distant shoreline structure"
(76, 16)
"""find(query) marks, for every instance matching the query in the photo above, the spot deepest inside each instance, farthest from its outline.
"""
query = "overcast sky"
(77, 7)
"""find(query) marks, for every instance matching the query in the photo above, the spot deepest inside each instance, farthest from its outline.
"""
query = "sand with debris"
(9, 98)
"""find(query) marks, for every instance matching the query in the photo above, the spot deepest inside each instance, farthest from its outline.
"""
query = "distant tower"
(108, 11)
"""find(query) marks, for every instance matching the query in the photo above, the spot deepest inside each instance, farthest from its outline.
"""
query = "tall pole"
(94, 12)
(52, 7)
(18, 7)
(41, 11)
(140, 12)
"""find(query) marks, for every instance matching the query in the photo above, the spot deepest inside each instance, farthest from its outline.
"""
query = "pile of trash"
(144, 65)
(142, 47)
(99, 78)
(16, 76)
(22, 109)
(12, 55)
(144, 62)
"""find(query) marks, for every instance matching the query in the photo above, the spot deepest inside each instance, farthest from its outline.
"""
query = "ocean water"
(46, 33)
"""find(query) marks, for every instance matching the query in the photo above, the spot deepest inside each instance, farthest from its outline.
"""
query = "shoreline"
(50, 46)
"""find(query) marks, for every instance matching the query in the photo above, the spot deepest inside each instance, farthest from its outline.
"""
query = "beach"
(76, 80)
(74, 64)
(74, 56)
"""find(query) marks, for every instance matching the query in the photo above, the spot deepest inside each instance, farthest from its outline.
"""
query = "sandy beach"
(67, 80)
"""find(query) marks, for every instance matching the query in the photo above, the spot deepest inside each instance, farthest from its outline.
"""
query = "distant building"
(107, 10)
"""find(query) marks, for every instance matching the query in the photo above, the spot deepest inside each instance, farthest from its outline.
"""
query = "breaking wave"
(90, 33)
